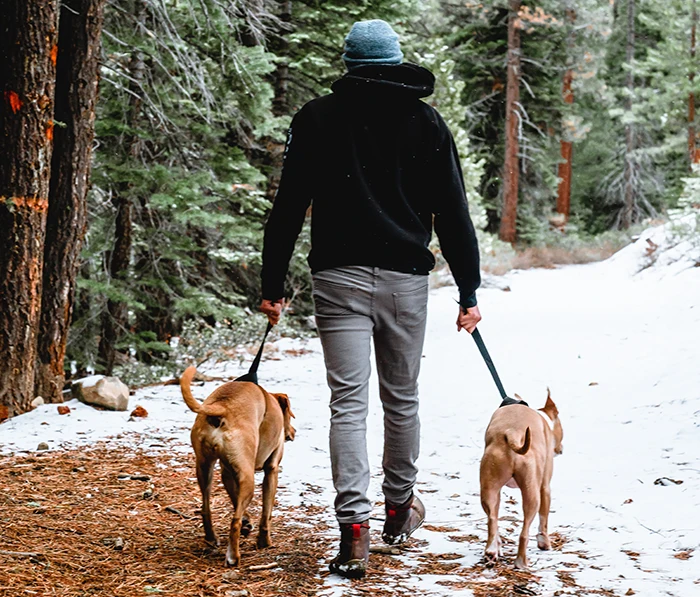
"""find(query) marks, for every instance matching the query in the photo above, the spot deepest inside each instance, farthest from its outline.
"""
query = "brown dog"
(244, 428)
(520, 446)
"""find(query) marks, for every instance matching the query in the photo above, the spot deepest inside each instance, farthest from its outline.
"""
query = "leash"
(252, 374)
(492, 368)
(489, 363)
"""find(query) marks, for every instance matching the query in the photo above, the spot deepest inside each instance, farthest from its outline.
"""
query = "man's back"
(367, 157)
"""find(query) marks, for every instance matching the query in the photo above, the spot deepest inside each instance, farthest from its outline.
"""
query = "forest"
(142, 143)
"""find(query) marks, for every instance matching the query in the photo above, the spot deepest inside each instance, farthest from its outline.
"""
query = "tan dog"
(520, 446)
(244, 428)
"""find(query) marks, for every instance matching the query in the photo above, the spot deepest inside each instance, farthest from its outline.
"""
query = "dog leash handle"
(489, 363)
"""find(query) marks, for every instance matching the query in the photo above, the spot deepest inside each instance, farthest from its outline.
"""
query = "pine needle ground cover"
(114, 522)
(119, 522)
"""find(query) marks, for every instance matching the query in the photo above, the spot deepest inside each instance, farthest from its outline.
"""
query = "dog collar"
(545, 416)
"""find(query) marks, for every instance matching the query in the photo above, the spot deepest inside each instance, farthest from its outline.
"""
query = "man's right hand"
(468, 318)
(273, 310)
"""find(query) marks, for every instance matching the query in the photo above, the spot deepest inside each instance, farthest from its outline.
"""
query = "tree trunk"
(77, 74)
(564, 173)
(629, 200)
(27, 74)
(692, 152)
(115, 319)
(280, 103)
(509, 214)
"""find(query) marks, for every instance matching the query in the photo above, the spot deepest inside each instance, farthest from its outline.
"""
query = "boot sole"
(353, 569)
(402, 538)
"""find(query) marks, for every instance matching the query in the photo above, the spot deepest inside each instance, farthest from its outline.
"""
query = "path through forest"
(616, 342)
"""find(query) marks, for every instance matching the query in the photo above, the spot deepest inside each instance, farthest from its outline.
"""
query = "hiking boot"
(401, 521)
(351, 561)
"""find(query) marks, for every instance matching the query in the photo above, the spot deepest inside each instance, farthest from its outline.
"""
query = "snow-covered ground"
(620, 350)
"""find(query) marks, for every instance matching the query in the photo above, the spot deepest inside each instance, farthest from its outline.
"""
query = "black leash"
(492, 368)
(252, 374)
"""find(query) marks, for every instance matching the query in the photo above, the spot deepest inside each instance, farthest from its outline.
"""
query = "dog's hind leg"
(205, 471)
(239, 486)
(531, 504)
(490, 501)
(543, 541)
(271, 469)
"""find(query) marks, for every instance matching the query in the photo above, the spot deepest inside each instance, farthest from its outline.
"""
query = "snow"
(617, 344)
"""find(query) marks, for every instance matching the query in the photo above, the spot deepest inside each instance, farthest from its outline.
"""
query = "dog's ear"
(283, 400)
(549, 405)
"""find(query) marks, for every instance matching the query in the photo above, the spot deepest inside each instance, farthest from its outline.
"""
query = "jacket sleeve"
(452, 222)
(289, 209)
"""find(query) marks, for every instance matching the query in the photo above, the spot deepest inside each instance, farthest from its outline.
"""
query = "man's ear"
(284, 403)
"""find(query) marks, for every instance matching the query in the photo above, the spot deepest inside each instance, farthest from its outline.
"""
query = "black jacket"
(378, 166)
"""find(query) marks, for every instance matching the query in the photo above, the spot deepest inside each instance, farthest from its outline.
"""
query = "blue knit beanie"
(372, 42)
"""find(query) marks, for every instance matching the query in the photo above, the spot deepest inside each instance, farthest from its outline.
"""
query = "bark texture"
(28, 36)
(511, 172)
(692, 150)
(630, 141)
(77, 75)
(567, 147)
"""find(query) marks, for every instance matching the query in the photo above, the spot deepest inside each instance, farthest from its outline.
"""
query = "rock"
(38, 401)
(232, 575)
(108, 392)
(43, 446)
(666, 481)
(116, 543)
(139, 411)
(4, 413)
(491, 281)
(63, 410)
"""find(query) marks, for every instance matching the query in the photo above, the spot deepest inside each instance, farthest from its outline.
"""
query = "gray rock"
(38, 401)
(43, 446)
(491, 281)
(108, 392)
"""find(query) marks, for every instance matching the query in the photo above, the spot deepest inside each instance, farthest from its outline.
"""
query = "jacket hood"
(386, 79)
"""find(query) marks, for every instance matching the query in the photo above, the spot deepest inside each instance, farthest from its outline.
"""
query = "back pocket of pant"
(411, 306)
(331, 298)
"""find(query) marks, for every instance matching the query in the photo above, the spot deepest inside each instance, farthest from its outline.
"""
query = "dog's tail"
(185, 381)
(519, 449)
(194, 405)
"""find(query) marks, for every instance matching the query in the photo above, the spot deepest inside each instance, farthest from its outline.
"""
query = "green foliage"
(196, 95)
(317, 39)
(686, 217)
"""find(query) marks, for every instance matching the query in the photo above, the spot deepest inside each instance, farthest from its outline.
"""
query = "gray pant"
(354, 304)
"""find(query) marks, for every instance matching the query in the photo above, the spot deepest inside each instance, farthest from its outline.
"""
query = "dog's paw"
(246, 527)
(232, 560)
(212, 541)
(492, 554)
(264, 540)
(520, 563)
(543, 542)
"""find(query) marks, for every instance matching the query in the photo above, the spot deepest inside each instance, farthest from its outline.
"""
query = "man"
(378, 166)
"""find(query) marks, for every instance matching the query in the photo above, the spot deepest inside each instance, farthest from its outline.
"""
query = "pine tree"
(80, 28)
(27, 75)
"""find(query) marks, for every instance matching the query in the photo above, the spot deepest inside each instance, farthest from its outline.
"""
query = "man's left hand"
(468, 318)
(273, 310)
